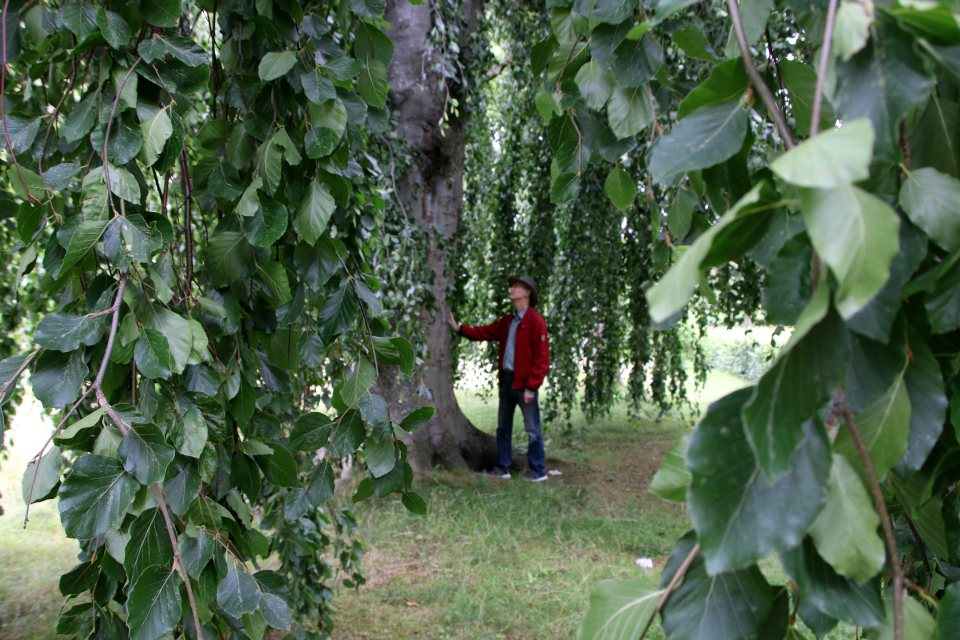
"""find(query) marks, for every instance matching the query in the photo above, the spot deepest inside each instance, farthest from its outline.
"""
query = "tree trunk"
(432, 195)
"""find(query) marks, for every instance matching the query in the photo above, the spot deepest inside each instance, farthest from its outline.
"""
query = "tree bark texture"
(432, 194)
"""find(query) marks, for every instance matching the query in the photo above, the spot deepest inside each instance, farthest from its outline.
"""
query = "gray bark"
(432, 194)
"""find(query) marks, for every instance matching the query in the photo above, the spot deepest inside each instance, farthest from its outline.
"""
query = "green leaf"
(154, 603)
(619, 609)
(45, 480)
(928, 404)
(595, 84)
(368, 8)
(82, 241)
(380, 456)
(182, 48)
(94, 496)
(344, 68)
(831, 159)
(706, 137)
(314, 212)
(564, 188)
(310, 432)
(122, 184)
(670, 294)
(279, 467)
(274, 276)
(414, 503)
(226, 256)
(925, 510)
(673, 477)
(82, 577)
(81, 18)
(948, 613)
(250, 201)
(196, 552)
(156, 131)
(847, 516)
(275, 611)
(145, 453)
(152, 354)
(338, 313)
(857, 234)
(332, 115)
(177, 330)
(885, 426)
(348, 434)
(182, 489)
(851, 30)
(92, 419)
(320, 484)
(830, 592)
(317, 87)
(266, 225)
(621, 188)
(739, 515)
(370, 43)
(694, 44)
(238, 593)
(883, 82)
(276, 64)
(918, 624)
(358, 382)
(82, 119)
(225, 182)
(932, 200)
(372, 84)
(637, 61)
(417, 418)
(727, 83)
(803, 378)
(66, 333)
(149, 543)
(161, 13)
(22, 132)
(57, 378)
(728, 606)
(60, 176)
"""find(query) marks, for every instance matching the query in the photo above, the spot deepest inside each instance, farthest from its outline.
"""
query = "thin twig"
(177, 557)
(822, 72)
(923, 550)
(674, 581)
(755, 79)
(3, 102)
(106, 133)
(881, 507)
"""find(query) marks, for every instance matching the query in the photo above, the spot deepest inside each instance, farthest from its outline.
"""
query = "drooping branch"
(822, 71)
(177, 558)
(674, 581)
(755, 79)
(840, 400)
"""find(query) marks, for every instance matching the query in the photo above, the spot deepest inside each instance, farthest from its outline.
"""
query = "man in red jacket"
(524, 362)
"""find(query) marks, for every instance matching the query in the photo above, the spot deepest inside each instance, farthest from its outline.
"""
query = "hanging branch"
(3, 102)
(840, 400)
(822, 72)
(674, 581)
(758, 84)
(106, 139)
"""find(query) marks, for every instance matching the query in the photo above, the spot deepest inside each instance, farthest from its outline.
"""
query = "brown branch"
(106, 137)
(923, 550)
(881, 507)
(177, 558)
(758, 84)
(497, 69)
(822, 72)
(674, 581)
(3, 101)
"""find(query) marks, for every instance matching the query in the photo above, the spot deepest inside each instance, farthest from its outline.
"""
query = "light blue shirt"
(509, 352)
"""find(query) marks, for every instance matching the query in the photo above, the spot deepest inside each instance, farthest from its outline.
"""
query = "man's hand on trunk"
(453, 323)
(528, 396)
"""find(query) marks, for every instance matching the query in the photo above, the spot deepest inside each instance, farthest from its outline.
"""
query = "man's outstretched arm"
(485, 332)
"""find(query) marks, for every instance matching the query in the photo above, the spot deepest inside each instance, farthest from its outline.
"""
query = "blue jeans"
(509, 399)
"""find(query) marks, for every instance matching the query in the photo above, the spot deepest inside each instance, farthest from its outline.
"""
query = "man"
(524, 362)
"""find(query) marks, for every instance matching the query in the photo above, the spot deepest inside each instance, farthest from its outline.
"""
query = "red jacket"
(531, 359)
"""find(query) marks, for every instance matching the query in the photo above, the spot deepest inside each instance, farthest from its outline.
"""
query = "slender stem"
(755, 79)
(923, 550)
(177, 558)
(106, 133)
(822, 72)
(115, 309)
(674, 581)
(881, 507)
(16, 374)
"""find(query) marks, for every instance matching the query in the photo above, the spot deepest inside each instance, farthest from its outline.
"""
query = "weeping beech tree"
(228, 215)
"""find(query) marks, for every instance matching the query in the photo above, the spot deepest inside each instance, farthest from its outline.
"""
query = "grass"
(492, 559)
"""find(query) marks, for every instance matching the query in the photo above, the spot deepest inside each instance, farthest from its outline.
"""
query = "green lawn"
(492, 559)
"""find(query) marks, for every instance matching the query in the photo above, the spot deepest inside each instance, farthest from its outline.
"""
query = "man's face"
(518, 291)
